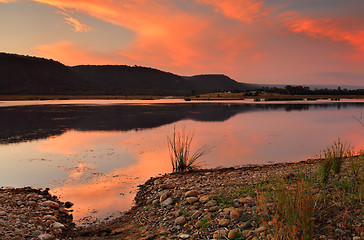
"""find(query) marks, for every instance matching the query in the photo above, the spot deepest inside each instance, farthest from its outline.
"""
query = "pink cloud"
(243, 10)
(326, 29)
(166, 35)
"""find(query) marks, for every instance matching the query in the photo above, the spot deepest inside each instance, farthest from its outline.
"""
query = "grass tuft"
(180, 151)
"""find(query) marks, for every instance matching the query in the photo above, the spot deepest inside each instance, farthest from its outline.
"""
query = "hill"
(25, 75)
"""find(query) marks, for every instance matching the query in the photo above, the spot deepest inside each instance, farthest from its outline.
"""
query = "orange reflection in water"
(251, 138)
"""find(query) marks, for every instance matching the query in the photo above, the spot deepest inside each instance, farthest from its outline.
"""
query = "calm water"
(95, 153)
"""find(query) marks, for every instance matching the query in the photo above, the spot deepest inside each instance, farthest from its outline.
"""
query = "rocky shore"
(27, 213)
(205, 204)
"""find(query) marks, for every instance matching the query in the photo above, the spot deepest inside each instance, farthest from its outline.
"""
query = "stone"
(167, 202)
(234, 215)
(31, 203)
(49, 203)
(184, 236)
(45, 236)
(164, 196)
(192, 193)
(211, 203)
(3, 213)
(36, 233)
(49, 217)
(192, 200)
(246, 200)
(220, 234)
(245, 225)
(339, 231)
(168, 186)
(224, 222)
(214, 209)
(196, 214)
(233, 233)
(261, 229)
(204, 199)
(68, 204)
(356, 238)
(180, 220)
(58, 225)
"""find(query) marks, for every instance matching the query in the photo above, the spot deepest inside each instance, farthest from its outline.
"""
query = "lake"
(94, 153)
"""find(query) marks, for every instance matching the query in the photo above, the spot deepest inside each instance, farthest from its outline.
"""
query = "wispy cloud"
(243, 10)
(77, 26)
(327, 29)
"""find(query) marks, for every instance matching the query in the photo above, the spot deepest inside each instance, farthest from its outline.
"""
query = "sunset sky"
(253, 41)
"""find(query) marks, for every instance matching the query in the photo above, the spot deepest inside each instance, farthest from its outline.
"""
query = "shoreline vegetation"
(204, 97)
(273, 201)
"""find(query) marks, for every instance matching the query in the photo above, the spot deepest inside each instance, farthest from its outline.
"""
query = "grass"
(204, 224)
(333, 159)
(180, 151)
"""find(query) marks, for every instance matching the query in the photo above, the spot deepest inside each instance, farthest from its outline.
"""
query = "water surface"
(96, 153)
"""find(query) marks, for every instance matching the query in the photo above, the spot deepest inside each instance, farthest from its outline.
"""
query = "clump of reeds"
(333, 158)
(294, 212)
(180, 151)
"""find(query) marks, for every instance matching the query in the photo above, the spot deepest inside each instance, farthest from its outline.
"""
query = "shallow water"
(96, 153)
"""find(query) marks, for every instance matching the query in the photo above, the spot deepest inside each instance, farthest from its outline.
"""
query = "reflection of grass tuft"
(179, 148)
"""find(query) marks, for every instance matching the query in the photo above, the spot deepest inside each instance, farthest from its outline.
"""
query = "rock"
(261, 229)
(214, 209)
(245, 225)
(192, 193)
(3, 213)
(234, 215)
(45, 236)
(164, 196)
(49, 203)
(224, 222)
(196, 214)
(233, 233)
(36, 233)
(31, 203)
(356, 238)
(68, 204)
(204, 199)
(220, 234)
(246, 200)
(167, 202)
(49, 217)
(168, 186)
(211, 203)
(183, 236)
(58, 225)
(192, 200)
(180, 220)
(339, 231)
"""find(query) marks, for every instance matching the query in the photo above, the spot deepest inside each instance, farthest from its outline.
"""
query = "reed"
(180, 151)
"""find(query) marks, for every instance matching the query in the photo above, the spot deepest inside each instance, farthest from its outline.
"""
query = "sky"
(254, 41)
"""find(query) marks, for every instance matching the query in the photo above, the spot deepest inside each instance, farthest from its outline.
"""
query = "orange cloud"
(166, 35)
(77, 26)
(243, 10)
(326, 29)
(7, 1)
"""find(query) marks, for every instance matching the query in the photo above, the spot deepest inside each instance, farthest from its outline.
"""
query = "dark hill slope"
(32, 75)
(216, 82)
(24, 75)
(123, 79)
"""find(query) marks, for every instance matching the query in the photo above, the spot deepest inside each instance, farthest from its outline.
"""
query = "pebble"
(167, 202)
(233, 233)
(45, 236)
(180, 220)
(192, 200)
(184, 236)
(168, 186)
(192, 193)
(50, 204)
(234, 215)
(224, 222)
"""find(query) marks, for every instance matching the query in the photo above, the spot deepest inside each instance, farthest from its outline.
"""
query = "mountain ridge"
(21, 74)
